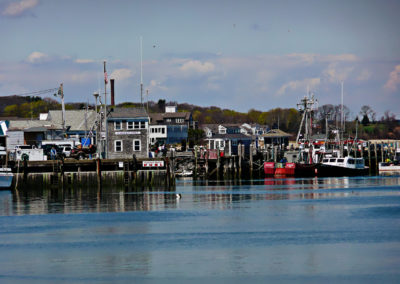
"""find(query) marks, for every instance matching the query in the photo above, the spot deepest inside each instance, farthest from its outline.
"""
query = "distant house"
(176, 124)
(213, 129)
(127, 130)
(228, 143)
(276, 137)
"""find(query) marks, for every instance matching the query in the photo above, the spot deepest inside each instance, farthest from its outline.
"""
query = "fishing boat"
(342, 166)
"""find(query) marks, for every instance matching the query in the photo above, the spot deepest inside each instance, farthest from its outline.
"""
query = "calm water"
(337, 230)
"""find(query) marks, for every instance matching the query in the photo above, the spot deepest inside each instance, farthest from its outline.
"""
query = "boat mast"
(306, 106)
(141, 71)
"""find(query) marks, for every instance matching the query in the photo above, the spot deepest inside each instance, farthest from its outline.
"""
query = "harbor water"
(310, 230)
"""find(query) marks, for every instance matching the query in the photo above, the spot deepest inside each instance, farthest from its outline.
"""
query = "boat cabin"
(347, 162)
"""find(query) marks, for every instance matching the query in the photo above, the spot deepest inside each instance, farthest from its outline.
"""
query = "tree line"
(365, 124)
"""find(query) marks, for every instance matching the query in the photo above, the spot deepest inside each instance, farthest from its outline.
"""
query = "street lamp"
(96, 95)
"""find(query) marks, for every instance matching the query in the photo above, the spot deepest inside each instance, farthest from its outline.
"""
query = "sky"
(239, 55)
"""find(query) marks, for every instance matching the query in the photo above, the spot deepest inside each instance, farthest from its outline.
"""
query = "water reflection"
(45, 201)
(195, 193)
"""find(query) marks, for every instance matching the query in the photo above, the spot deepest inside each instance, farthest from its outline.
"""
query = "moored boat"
(6, 178)
(342, 166)
(389, 167)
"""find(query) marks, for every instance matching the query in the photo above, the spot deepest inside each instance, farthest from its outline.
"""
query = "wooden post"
(206, 165)
(195, 162)
(382, 154)
(240, 160)
(251, 160)
(218, 163)
(369, 157)
(98, 172)
(376, 156)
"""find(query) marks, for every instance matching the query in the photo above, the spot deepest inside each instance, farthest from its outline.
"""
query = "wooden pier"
(93, 173)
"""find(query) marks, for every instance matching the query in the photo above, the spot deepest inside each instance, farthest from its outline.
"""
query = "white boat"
(6, 178)
(184, 173)
(342, 166)
(389, 167)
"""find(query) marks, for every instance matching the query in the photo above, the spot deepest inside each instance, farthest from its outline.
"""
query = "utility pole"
(105, 110)
(60, 93)
(96, 95)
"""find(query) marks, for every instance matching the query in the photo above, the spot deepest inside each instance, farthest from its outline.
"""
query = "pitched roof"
(230, 136)
(131, 112)
(75, 119)
(185, 115)
(276, 133)
(159, 117)
(26, 124)
(156, 117)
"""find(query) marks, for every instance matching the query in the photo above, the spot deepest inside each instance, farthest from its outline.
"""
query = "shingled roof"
(75, 119)
(130, 112)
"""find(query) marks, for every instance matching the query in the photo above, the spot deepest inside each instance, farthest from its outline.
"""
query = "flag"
(105, 74)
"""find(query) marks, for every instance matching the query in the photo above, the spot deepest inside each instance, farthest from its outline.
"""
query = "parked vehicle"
(47, 151)
(80, 153)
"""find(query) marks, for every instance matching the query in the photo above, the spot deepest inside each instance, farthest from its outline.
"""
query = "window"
(136, 145)
(163, 130)
(340, 160)
(142, 125)
(117, 125)
(136, 124)
(129, 125)
(168, 120)
(179, 120)
(118, 145)
(234, 142)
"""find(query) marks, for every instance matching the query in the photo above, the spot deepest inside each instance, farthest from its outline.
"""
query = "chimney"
(112, 92)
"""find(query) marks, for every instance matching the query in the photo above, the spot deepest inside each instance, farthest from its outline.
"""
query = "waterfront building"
(176, 124)
(31, 132)
(80, 125)
(276, 137)
(127, 133)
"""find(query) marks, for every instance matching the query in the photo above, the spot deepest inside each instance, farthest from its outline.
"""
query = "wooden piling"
(251, 160)
(369, 157)
(376, 157)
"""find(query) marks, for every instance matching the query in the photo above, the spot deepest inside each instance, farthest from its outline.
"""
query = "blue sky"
(232, 54)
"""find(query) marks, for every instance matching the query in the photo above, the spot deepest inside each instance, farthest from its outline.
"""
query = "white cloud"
(156, 85)
(84, 61)
(334, 73)
(364, 75)
(18, 8)
(121, 74)
(197, 66)
(37, 57)
(81, 77)
(394, 80)
(339, 57)
(310, 83)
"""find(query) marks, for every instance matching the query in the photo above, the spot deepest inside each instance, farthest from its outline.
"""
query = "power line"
(38, 92)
